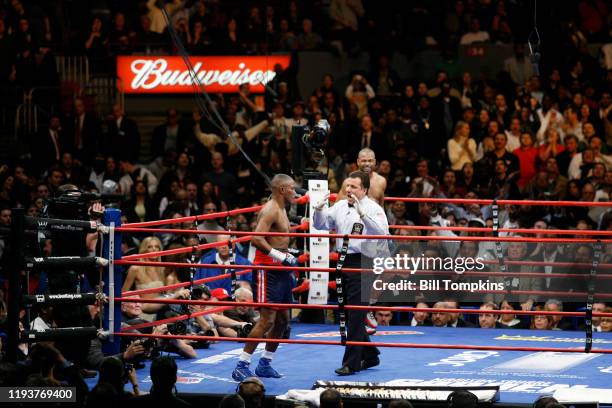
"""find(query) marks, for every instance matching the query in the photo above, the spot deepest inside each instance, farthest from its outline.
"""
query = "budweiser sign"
(161, 74)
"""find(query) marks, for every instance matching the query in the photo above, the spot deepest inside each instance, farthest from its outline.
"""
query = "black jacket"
(124, 140)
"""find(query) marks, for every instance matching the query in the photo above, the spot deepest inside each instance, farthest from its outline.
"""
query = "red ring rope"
(196, 218)
(246, 236)
(373, 237)
(274, 267)
(462, 201)
(186, 250)
(367, 344)
(359, 307)
(174, 319)
(184, 284)
(506, 230)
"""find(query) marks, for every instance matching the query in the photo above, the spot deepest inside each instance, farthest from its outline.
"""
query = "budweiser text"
(217, 74)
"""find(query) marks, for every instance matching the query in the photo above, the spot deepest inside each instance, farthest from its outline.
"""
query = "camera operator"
(203, 325)
(226, 326)
(71, 203)
(215, 323)
(131, 314)
(133, 353)
(117, 373)
(243, 313)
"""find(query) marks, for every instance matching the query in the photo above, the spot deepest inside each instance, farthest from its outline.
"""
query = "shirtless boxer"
(366, 161)
(272, 286)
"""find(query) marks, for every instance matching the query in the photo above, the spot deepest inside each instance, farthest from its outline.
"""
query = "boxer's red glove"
(305, 257)
(302, 200)
(302, 287)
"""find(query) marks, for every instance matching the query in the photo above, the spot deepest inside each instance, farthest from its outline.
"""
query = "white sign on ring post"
(319, 248)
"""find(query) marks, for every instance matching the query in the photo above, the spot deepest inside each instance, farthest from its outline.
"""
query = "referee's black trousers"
(355, 325)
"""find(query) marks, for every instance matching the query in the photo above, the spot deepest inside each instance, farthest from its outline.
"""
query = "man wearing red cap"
(219, 294)
(272, 286)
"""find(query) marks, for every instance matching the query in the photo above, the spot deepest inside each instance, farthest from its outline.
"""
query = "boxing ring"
(524, 364)
(521, 375)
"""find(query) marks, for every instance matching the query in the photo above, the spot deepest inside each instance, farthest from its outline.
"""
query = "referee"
(358, 208)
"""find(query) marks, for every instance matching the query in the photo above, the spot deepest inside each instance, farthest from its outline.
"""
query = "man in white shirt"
(514, 135)
(131, 173)
(475, 35)
(358, 208)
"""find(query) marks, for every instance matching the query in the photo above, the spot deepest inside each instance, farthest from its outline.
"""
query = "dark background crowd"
(538, 131)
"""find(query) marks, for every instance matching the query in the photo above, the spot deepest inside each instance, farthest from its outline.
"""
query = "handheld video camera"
(177, 328)
(71, 203)
(203, 344)
(316, 138)
(198, 290)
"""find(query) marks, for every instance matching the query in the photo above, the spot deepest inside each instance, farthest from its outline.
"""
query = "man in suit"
(455, 319)
(550, 253)
(369, 138)
(446, 110)
(344, 217)
(517, 251)
(440, 319)
(489, 320)
(82, 134)
(47, 148)
(123, 136)
(170, 136)
(558, 322)
(221, 256)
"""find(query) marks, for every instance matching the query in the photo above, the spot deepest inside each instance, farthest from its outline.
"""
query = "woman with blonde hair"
(461, 148)
(147, 277)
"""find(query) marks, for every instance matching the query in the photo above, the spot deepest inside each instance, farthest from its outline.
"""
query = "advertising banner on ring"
(168, 74)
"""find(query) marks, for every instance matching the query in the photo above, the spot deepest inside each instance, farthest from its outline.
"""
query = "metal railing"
(12, 98)
(73, 69)
(105, 91)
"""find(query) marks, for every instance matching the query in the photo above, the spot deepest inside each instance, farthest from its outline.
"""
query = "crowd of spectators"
(513, 135)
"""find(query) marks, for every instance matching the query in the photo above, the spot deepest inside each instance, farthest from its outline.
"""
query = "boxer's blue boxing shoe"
(264, 369)
(242, 371)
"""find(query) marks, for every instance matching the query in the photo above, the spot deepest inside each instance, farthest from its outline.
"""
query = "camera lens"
(178, 328)
(196, 293)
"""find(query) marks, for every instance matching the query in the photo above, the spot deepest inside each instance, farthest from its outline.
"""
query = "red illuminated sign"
(163, 74)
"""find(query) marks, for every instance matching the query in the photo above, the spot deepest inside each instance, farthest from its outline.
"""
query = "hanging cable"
(533, 42)
(211, 114)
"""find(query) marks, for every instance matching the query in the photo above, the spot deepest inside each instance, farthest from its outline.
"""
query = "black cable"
(534, 47)
(198, 86)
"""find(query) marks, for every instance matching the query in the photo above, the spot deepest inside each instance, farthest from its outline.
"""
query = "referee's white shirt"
(341, 217)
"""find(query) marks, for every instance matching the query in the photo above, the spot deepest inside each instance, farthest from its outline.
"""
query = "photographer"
(131, 314)
(218, 323)
(200, 325)
(116, 373)
(243, 313)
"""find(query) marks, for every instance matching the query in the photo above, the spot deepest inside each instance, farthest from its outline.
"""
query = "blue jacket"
(210, 258)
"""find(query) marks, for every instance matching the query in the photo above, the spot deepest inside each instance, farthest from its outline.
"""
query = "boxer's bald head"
(284, 185)
(281, 180)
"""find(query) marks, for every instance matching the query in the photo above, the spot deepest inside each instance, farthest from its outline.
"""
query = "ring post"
(15, 290)
(113, 279)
